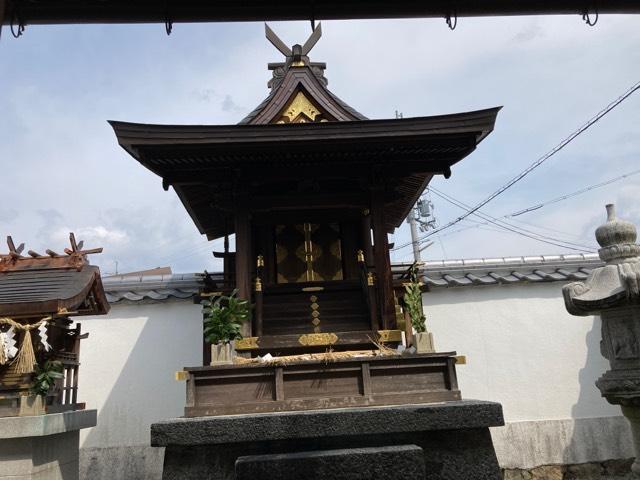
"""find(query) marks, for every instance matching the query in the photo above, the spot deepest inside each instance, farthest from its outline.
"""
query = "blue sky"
(62, 169)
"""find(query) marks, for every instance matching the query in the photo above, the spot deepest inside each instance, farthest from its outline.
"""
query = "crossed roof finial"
(297, 55)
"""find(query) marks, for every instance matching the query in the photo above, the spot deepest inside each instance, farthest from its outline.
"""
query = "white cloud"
(95, 235)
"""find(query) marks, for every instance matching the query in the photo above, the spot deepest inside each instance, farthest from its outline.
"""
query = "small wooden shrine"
(38, 295)
(311, 189)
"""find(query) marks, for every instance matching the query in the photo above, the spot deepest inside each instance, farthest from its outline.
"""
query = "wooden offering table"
(319, 383)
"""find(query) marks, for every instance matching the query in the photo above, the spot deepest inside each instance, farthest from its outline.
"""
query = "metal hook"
(452, 24)
(20, 31)
(587, 19)
(168, 23)
(313, 16)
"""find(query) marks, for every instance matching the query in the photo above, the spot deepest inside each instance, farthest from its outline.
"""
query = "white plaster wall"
(128, 365)
(523, 349)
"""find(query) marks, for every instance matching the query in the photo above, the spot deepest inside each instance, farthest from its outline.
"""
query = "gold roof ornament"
(299, 108)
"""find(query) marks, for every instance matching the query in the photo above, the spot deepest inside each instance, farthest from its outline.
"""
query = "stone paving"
(608, 470)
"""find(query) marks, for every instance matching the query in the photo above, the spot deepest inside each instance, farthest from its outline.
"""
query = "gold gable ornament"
(300, 110)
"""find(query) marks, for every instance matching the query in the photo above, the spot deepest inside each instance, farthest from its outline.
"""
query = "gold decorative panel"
(247, 343)
(299, 110)
(308, 252)
(317, 339)
(385, 336)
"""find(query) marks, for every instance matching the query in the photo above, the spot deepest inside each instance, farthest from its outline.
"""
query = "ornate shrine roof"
(50, 284)
(303, 133)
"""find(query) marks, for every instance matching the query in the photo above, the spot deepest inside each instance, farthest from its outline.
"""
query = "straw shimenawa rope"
(328, 356)
(3, 354)
(25, 359)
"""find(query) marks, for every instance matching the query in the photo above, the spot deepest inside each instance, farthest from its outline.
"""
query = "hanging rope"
(587, 19)
(25, 360)
(452, 24)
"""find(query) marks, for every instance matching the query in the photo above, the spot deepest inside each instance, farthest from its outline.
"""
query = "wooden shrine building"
(38, 295)
(311, 189)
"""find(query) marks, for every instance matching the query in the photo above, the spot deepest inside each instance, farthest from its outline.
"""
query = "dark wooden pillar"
(244, 258)
(382, 261)
(349, 234)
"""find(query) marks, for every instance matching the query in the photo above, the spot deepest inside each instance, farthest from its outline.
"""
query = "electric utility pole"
(421, 216)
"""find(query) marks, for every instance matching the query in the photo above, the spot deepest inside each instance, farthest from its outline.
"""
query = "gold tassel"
(26, 358)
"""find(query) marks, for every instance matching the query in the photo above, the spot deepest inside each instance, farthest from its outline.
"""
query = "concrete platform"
(453, 437)
(43, 447)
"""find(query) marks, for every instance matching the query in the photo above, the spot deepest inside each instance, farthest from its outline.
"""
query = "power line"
(538, 162)
(549, 202)
(573, 194)
(501, 223)
(518, 230)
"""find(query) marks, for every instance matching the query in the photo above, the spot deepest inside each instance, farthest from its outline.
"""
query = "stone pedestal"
(43, 447)
(449, 440)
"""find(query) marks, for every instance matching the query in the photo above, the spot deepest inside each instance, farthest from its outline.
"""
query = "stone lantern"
(613, 292)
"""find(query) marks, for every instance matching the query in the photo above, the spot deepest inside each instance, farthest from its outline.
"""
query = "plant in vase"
(413, 303)
(223, 319)
(44, 379)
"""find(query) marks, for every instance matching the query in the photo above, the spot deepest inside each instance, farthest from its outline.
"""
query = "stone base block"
(43, 447)
(403, 462)
(453, 437)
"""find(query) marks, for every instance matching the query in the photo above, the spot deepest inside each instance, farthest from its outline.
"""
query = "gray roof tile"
(506, 270)
(152, 288)
(435, 274)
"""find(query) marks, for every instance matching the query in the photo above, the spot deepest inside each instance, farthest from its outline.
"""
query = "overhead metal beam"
(3, 5)
(174, 11)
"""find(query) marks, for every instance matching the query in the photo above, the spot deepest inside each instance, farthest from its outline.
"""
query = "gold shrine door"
(308, 252)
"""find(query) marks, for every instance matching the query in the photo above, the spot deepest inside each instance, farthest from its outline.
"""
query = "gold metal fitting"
(360, 256)
(247, 343)
(385, 336)
(318, 339)
(371, 279)
(260, 261)
(258, 287)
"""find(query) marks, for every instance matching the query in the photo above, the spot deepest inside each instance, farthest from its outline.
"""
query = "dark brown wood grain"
(306, 385)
